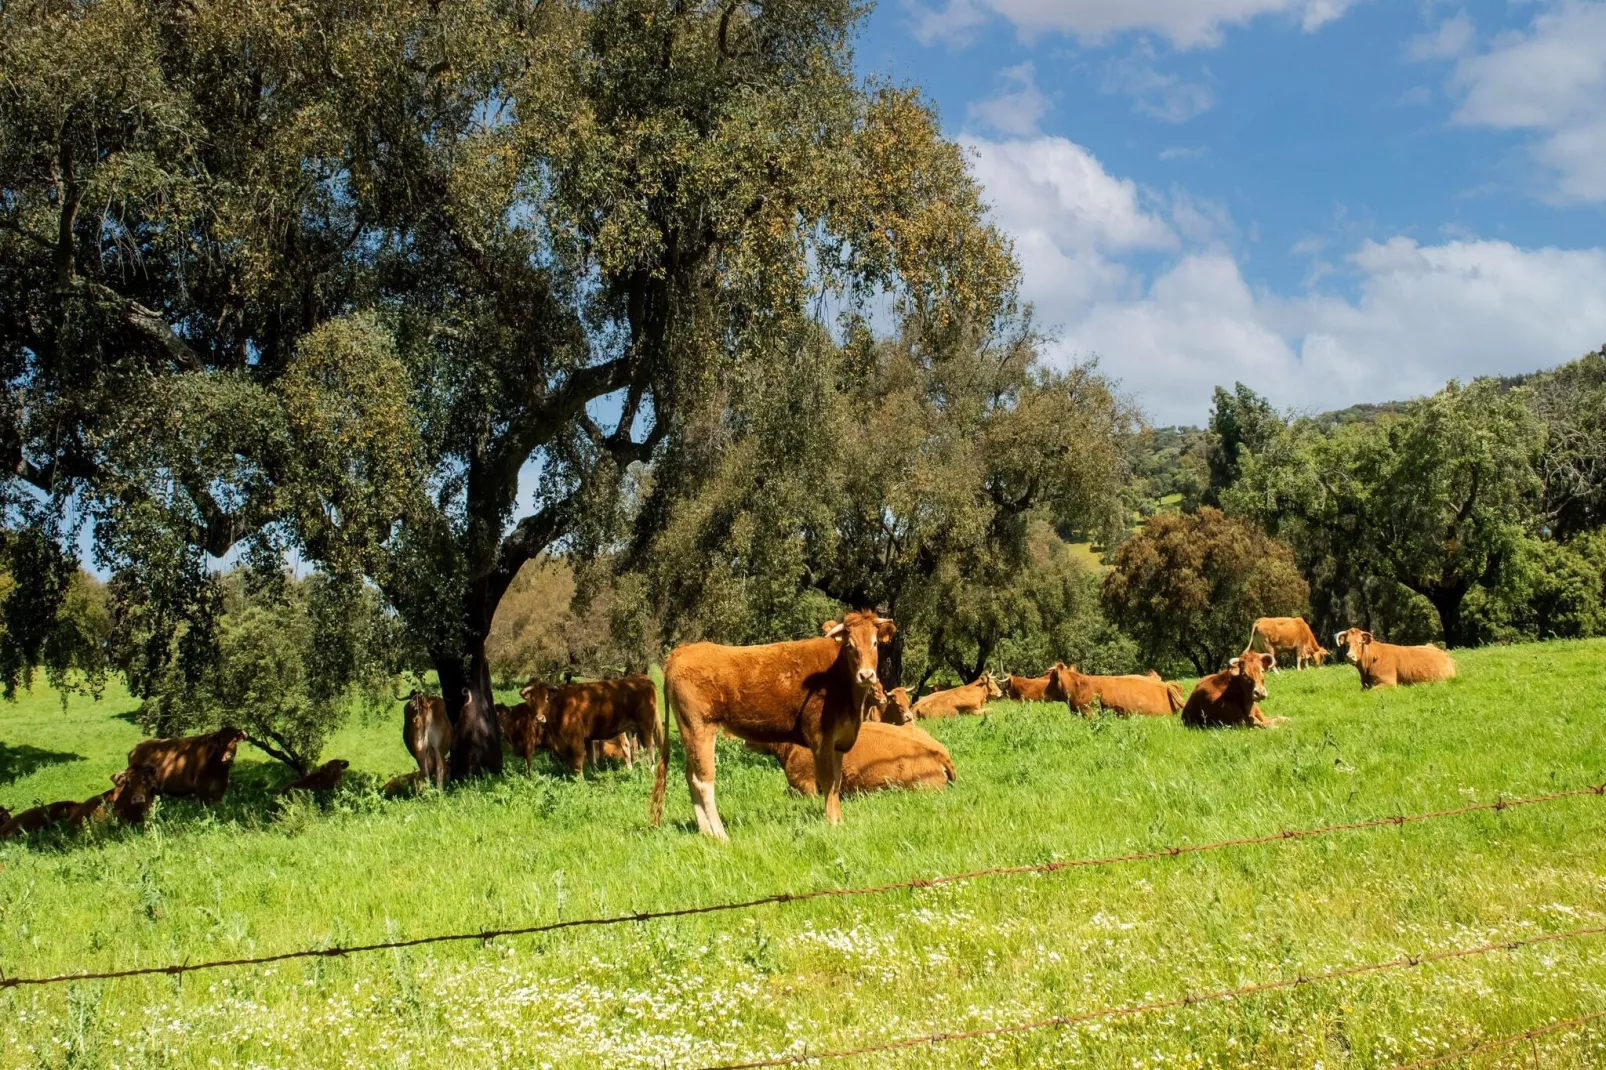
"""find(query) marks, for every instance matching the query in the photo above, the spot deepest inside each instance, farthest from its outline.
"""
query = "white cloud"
(1016, 109)
(1550, 80)
(1162, 96)
(1185, 23)
(1452, 38)
(1392, 319)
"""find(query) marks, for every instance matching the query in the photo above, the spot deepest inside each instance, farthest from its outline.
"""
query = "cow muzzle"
(866, 677)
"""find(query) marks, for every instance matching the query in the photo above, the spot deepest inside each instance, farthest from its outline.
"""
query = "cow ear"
(1267, 661)
(1366, 637)
(885, 629)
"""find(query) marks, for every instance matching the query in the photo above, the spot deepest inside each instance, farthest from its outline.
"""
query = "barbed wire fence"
(787, 898)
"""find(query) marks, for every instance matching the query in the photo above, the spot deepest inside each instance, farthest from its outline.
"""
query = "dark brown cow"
(405, 784)
(813, 692)
(193, 765)
(1286, 635)
(324, 778)
(884, 756)
(518, 730)
(427, 731)
(1228, 698)
(38, 817)
(1147, 695)
(569, 716)
(970, 698)
(1387, 665)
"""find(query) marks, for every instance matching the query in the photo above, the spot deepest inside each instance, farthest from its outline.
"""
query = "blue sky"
(1332, 200)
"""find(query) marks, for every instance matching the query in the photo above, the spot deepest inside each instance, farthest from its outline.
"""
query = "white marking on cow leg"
(700, 779)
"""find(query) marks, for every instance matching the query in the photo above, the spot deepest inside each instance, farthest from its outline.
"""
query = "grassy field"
(260, 875)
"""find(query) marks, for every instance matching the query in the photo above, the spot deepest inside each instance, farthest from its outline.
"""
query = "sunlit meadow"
(260, 875)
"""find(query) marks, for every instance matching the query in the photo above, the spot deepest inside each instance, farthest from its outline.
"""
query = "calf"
(884, 756)
(1228, 698)
(1386, 665)
(519, 730)
(324, 778)
(970, 698)
(621, 748)
(1147, 695)
(405, 784)
(193, 765)
(38, 817)
(427, 731)
(1286, 635)
(569, 716)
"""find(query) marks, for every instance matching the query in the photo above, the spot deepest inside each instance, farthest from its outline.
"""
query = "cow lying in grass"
(1228, 698)
(971, 698)
(893, 707)
(1387, 665)
(129, 800)
(324, 778)
(1146, 695)
(884, 756)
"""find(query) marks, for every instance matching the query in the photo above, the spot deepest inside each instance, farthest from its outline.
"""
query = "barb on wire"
(1504, 1042)
(785, 898)
(1221, 995)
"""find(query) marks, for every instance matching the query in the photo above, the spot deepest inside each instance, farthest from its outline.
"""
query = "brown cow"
(1387, 665)
(405, 784)
(193, 765)
(1147, 695)
(569, 716)
(427, 731)
(891, 707)
(1228, 698)
(812, 691)
(884, 756)
(38, 817)
(1286, 635)
(1042, 688)
(518, 730)
(970, 698)
(621, 748)
(324, 778)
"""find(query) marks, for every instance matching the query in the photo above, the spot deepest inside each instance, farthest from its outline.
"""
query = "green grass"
(259, 876)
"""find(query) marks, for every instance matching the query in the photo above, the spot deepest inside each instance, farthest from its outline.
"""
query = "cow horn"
(836, 630)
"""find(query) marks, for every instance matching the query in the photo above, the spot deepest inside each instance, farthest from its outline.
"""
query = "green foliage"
(1571, 400)
(1189, 586)
(1242, 424)
(1437, 500)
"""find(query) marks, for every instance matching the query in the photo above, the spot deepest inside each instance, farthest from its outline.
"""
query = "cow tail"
(1173, 691)
(660, 777)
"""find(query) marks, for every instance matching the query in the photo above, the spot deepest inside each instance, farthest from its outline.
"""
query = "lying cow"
(812, 692)
(970, 698)
(1147, 695)
(1387, 665)
(38, 817)
(892, 707)
(1228, 698)
(324, 778)
(568, 717)
(405, 784)
(1286, 635)
(194, 765)
(128, 800)
(427, 731)
(884, 756)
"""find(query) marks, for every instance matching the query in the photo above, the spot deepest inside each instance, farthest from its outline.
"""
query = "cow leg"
(828, 778)
(700, 779)
(630, 750)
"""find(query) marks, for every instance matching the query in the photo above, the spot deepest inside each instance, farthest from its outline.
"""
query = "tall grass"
(258, 875)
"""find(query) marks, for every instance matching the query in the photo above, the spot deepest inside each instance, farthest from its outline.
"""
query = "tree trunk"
(890, 665)
(466, 687)
(1447, 602)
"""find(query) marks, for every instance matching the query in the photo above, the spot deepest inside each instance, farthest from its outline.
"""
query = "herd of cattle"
(816, 705)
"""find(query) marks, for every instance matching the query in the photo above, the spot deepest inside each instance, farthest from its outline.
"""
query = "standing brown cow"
(1147, 695)
(812, 691)
(1387, 665)
(970, 698)
(568, 717)
(427, 731)
(518, 730)
(884, 756)
(1228, 698)
(193, 765)
(1286, 635)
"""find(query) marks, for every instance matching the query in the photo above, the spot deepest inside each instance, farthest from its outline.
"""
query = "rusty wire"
(1221, 995)
(1504, 1042)
(785, 898)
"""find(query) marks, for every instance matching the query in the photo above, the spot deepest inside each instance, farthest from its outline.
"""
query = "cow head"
(898, 710)
(337, 765)
(225, 742)
(859, 636)
(1252, 669)
(132, 791)
(1353, 642)
(1321, 655)
(993, 690)
(540, 698)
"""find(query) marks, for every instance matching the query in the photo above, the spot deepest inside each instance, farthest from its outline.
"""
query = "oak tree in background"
(331, 277)
(1189, 586)
(1242, 423)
